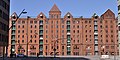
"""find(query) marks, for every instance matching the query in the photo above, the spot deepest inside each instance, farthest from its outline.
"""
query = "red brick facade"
(68, 35)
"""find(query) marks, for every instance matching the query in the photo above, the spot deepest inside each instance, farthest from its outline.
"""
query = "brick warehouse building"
(4, 25)
(97, 35)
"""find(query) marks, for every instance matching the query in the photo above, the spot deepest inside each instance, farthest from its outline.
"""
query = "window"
(100, 21)
(18, 26)
(22, 36)
(31, 26)
(62, 53)
(111, 40)
(30, 41)
(46, 31)
(62, 21)
(111, 26)
(89, 21)
(35, 36)
(86, 31)
(46, 26)
(111, 31)
(35, 26)
(52, 26)
(73, 31)
(85, 26)
(77, 36)
(52, 22)
(18, 36)
(62, 36)
(57, 22)
(23, 22)
(106, 35)
(78, 41)
(30, 31)
(100, 26)
(89, 31)
(90, 26)
(77, 31)
(31, 22)
(106, 26)
(62, 31)
(18, 31)
(57, 47)
(106, 40)
(57, 26)
(73, 26)
(78, 26)
(105, 21)
(35, 31)
(107, 47)
(22, 31)
(90, 36)
(23, 26)
(31, 36)
(62, 26)
(19, 22)
(112, 36)
(78, 22)
(73, 22)
(85, 21)
(18, 41)
(46, 41)
(46, 47)
(62, 47)
(35, 22)
(51, 31)
(22, 41)
(68, 16)
(35, 41)
(112, 47)
(47, 22)
(106, 31)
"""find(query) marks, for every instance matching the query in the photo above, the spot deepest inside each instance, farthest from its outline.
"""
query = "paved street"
(65, 58)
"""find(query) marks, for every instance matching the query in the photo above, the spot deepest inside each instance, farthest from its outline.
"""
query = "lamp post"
(54, 44)
(103, 47)
(27, 37)
(16, 18)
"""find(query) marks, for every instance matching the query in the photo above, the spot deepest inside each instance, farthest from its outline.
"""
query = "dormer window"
(41, 16)
(95, 16)
(68, 16)
(13, 17)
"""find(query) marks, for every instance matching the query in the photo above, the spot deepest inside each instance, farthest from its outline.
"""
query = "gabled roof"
(54, 8)
(68, 14)
(108, 11)
(41, 14)
(14, 14)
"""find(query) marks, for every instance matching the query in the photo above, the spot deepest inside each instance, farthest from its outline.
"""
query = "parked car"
(21, 55)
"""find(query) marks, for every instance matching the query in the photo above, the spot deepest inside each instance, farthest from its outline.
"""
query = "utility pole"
(27, 36)
(14, 17)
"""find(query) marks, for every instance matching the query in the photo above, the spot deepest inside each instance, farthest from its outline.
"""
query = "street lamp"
(54, 43)
(29, 42)
(103, 47)
(16, 18)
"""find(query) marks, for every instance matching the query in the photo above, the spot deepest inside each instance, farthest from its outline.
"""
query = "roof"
(54, 8)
